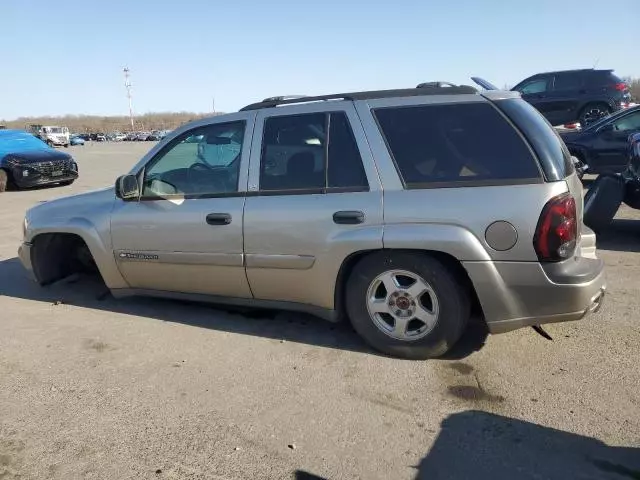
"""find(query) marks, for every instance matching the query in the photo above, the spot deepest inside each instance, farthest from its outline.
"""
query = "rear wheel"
(602, 201)
(407, 305)
(593, 112)
(4, 180)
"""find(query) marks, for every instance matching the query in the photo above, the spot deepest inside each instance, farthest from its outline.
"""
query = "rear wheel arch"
(350, 262)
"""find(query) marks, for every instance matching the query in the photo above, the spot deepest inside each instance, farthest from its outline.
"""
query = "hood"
(80, 205)
(34, 156)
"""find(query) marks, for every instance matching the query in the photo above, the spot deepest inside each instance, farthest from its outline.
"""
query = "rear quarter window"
(554, 157)
(468, 144)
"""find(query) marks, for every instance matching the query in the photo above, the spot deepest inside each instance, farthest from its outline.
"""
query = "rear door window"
(455, 145)
(568, 81)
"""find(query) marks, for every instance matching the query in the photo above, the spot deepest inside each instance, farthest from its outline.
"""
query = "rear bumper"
(520, 294)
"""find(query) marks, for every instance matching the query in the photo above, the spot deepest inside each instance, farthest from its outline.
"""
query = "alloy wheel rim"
(592, 115)
(402, 305)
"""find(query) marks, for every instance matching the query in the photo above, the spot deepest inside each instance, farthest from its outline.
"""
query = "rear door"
(314, 198)
(568, 93)
(536, 91)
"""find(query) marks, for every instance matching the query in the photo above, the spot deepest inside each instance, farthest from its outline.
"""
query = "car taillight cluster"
(557, 231)
(621, 86)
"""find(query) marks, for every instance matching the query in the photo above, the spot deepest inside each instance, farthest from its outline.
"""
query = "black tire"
(4, 180)
(66, 145)
(593, 112)
(452, 295)
(632, 195)
(602, 201)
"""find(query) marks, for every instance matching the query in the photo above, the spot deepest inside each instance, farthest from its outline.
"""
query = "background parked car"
(100, 137)
(76, 140)
(575, 95)
(602, 147)
(26, 161)
(142, 136)
(131, 136)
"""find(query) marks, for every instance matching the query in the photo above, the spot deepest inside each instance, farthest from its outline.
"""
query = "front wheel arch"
(55, 256)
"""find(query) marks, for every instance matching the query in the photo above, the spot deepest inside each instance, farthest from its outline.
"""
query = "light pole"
(127, 84)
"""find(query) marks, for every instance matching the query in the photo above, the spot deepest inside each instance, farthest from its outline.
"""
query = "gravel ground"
(93, 387)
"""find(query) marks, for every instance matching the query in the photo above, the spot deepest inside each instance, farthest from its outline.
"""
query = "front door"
(185, 232)
(314, 198)
(611, 143)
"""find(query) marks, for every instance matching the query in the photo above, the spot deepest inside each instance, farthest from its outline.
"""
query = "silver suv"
(401, 210)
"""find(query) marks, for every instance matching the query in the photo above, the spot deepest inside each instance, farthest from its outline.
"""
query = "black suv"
(575, 95)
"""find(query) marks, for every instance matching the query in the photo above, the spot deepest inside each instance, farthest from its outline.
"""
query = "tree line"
(107, 124)
(157, 121)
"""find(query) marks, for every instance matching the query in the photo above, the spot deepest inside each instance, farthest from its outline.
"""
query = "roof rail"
(436, 84)
(431, 88)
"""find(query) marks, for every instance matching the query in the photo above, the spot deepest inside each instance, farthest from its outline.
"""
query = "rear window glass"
(458, 144)
(551, 150)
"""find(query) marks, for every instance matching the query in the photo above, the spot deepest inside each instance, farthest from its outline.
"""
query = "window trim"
(460, 183)
(172, 143)
(311, 191)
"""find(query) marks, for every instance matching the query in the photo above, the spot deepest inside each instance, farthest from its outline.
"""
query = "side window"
(345, 168)
(535, 86)
(314, 151)
(628, 122)
(568, 81)
(203, 161)
(293, 152)
(455, 143)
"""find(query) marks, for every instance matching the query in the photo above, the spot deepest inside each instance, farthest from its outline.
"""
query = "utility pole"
(127, 85)
(213, 105)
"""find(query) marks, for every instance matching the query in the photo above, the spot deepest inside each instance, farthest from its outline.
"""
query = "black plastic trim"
(370, 95)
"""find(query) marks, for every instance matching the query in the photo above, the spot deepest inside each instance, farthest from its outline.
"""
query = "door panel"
(168, 245)
(185, 234)
(294, 249)
(294, 246)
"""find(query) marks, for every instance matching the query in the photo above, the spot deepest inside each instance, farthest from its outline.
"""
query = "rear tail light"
(557, 231)
(621, 86)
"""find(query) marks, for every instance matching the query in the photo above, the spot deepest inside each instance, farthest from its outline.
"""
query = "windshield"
(54, 130)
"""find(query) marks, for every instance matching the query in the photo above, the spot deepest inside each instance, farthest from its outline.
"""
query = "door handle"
(218, 219)
(348, 217)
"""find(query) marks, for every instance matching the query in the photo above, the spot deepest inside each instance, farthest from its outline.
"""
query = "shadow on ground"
(484, 446)
(623, 235)
(90, 292)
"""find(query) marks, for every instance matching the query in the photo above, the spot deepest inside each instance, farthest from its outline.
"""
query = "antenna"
(595, 64)
(127, 85)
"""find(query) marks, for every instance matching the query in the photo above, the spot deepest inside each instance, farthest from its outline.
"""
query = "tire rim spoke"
(402, 305)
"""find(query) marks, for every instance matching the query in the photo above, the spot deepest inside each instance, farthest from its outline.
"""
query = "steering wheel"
(212, 183)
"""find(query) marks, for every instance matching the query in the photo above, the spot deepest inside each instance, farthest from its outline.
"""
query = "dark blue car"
(26, 161)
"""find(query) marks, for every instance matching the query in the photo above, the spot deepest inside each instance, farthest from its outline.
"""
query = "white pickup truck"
(51, 134)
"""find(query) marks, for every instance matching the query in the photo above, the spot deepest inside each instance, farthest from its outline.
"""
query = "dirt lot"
(99, 388)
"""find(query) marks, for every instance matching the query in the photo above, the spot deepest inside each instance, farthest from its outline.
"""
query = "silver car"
(403, 211)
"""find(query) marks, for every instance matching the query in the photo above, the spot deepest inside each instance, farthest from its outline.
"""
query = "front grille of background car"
(47, 168)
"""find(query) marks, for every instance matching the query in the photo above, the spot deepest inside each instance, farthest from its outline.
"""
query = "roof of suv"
(578, 70)
(430, 88)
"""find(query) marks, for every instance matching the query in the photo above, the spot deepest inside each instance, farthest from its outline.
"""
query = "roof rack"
(429, 88)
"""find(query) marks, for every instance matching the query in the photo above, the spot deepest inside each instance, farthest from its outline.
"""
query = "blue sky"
(66, 56)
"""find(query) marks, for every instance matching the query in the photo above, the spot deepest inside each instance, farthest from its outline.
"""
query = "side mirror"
(127, 187)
